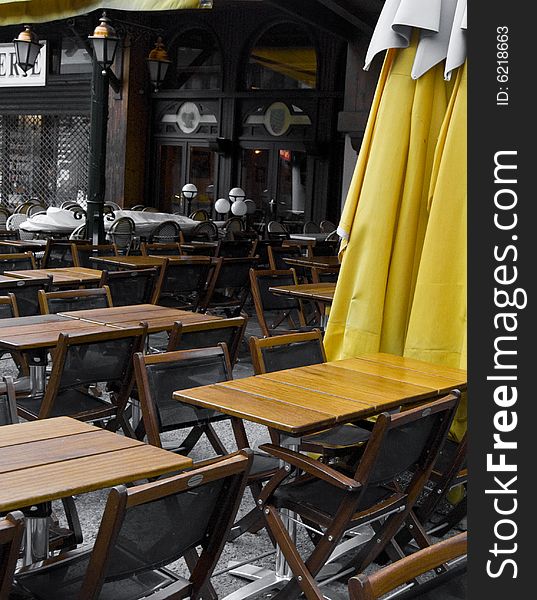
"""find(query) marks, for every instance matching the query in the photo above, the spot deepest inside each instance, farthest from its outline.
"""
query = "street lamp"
(189, 191)
(158, 63)
(27, 49)
(105, 43)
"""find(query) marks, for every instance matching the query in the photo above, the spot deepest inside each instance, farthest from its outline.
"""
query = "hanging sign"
(12, 76)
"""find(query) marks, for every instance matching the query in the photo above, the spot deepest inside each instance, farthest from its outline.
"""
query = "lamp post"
(189, 191)
(105, 44)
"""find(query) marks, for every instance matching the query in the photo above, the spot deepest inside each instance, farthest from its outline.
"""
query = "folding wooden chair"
(273, 309)
(446, 560)
(376, 493)
(161, 249)
(229, 285)
(158, 376)
(131, 287)
(187, 336)
(17, 262)
(182, 284)
(299, 350)
(26, 293)
(11, 532)
(69, 300)
(82, 253)
(84, 360)
(144, 529)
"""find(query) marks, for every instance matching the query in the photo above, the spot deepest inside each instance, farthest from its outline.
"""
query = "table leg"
(36, 533)
(264, 579)
(37, 363)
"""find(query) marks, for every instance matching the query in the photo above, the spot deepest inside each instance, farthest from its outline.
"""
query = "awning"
(299, 64)
(39, 11)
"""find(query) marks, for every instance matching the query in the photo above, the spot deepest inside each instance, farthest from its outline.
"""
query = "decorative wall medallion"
(188, 117)
(278, 119)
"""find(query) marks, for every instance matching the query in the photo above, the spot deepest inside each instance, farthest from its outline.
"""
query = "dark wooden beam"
(348, 15)
(320, 16)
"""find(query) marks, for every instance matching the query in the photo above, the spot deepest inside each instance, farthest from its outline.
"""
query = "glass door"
(202, 173)
(171, 177)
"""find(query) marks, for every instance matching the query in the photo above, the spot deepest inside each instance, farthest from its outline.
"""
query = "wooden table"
(142, 262)
(49, 459)
(318, 292)
(319, 262)
(63, 276)
(309, 399)
(35, 335)
(24, 245)
(158, 318)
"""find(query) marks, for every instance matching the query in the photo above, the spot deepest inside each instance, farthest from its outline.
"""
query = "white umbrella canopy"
(441, 25)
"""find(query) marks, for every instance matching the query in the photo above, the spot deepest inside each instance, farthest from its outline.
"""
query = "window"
(283, 58)
(74, 57)
(198, 61)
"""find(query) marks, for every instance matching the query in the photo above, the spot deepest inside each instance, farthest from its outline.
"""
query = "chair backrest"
(90, 358)
(236, 248)
(152, 525)
(182, 283)
(17, 262)
(11, 532)
(14, 220)
(8, 409)
(266, 302)
(445, 584)
(150, 209)
(4, 215)
(79, 233)
(199, 215)
(204, 231)
(112, 205)
(324, 248)
(137, 207)
(68, 300)
(287, 351)
(159, 375)
(231, 280)
(26, 293)
(8, 306)
(406, 442)
(277, 254)
(327, 226)
(83, 253)
(311, 227)
(161, 249)
(166, 232)
(58, 253)
(36, 209)
(262, 251)
(234, 224)
(121, 233)
(130, 287)
(276, 227)
(187, 336)
(324, 275)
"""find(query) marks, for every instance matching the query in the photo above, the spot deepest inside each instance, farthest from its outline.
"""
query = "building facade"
(256, 96)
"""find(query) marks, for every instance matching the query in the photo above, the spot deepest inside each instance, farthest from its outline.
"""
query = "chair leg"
(214, 440)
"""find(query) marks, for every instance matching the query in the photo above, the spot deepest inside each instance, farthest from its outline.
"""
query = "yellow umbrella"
(437, 325)
(385, 216)
(37, 11)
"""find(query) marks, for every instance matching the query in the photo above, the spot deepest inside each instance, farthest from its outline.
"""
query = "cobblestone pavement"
(90, 506)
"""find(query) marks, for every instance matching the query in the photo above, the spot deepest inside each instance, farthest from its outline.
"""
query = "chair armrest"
(312, 467)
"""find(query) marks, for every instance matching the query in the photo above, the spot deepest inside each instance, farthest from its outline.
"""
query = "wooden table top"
(320, 292)
(60, 276)
(141, 262)
(43, 331)
(319, 262)
(309, 399)
(49, 459)
(25, 245)
(158, 318)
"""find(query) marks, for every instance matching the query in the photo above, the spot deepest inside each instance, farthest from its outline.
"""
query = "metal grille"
(44, 157)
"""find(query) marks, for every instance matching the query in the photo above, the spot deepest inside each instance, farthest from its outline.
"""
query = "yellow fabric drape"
(437, 325)
(389, 195)
(298, 63)
(39, 11)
